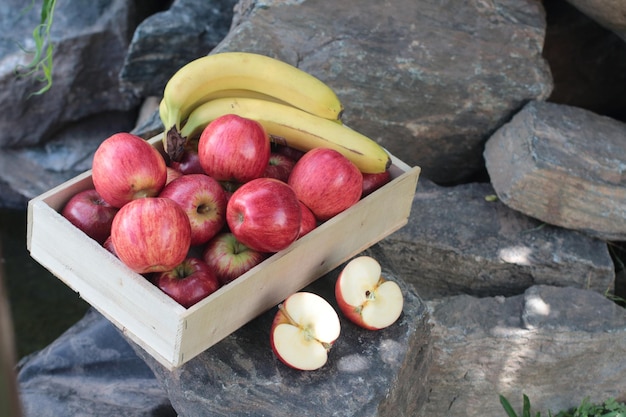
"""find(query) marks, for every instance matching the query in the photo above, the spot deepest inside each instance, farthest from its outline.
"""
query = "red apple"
(125, 167)
(151, 234)
(204, 201)
(293, 153)
(303, 331)
(279, 167)
(326, 182)
(233, 148)
(189, 282)
(108, 245)
(229, 258)
(172, 174)
(365, 297)
(88, 211)
(264, 214)
(308, 222)
(189, 163)
(372, 182)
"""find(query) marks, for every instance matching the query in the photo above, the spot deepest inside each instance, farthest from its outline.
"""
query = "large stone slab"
(26, 172)
(556, 345)
(564, 166)
(428, 80)
(369, 373)
(587, 61)
(90, 371)
(90, 42)
(459, 241)
(167, 40)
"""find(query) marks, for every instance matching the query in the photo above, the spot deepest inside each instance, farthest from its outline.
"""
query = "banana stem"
(175, 144)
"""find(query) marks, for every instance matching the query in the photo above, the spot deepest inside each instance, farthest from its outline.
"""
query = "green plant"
(525, 410)
(610, 408)
(40, 66)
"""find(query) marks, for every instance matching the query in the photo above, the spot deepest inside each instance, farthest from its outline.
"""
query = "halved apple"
(365, 297)
(303, 331)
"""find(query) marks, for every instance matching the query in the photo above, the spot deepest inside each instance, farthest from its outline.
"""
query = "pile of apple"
(234, 198)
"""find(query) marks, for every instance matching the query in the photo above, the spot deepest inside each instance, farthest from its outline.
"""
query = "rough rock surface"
(49, 138)
(29, 171)
(562, 165)
(458, 242)
(431, 83)
(609, 13)
(556, 345)
(87, 37)
(166, 41)
(587, 61)
(90, 371)
(440, 78)
(369, 373)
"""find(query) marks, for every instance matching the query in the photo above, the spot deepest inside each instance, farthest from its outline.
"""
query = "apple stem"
(183, 271)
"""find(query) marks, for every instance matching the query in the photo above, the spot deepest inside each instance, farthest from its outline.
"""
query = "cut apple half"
(303, 331)
(365, 297)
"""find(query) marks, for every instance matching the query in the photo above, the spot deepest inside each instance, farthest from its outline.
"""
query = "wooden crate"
(169, 332)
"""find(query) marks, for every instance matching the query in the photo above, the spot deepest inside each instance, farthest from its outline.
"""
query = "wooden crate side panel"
(309, 258)
(57, 197)
(127, 299)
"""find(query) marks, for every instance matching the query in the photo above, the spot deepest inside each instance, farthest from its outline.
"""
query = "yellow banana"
(199, 80)
(163, 111)
(293, 127)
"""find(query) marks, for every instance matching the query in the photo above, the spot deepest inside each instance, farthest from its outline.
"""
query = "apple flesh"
(233, 148)
(88, 211)
(189, 282)
(126, 167)
(365, 297)
(326, 181)
(303, 331)
(229, 258)
(151, 234)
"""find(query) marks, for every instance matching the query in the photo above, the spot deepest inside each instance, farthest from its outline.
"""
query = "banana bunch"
(295, 108)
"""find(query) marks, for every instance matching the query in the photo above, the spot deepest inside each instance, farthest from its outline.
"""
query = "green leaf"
(526, 409)
(507, 407)
(40, 67)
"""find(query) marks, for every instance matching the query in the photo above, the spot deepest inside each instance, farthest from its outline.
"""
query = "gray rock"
(562, 165)
(166, 41)
(556, 345)
(428, 81)
(90, 42)
(369, 373)
(609, 13)
(457, 242)
(90, 371)
(587, 61)
(27, 172)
